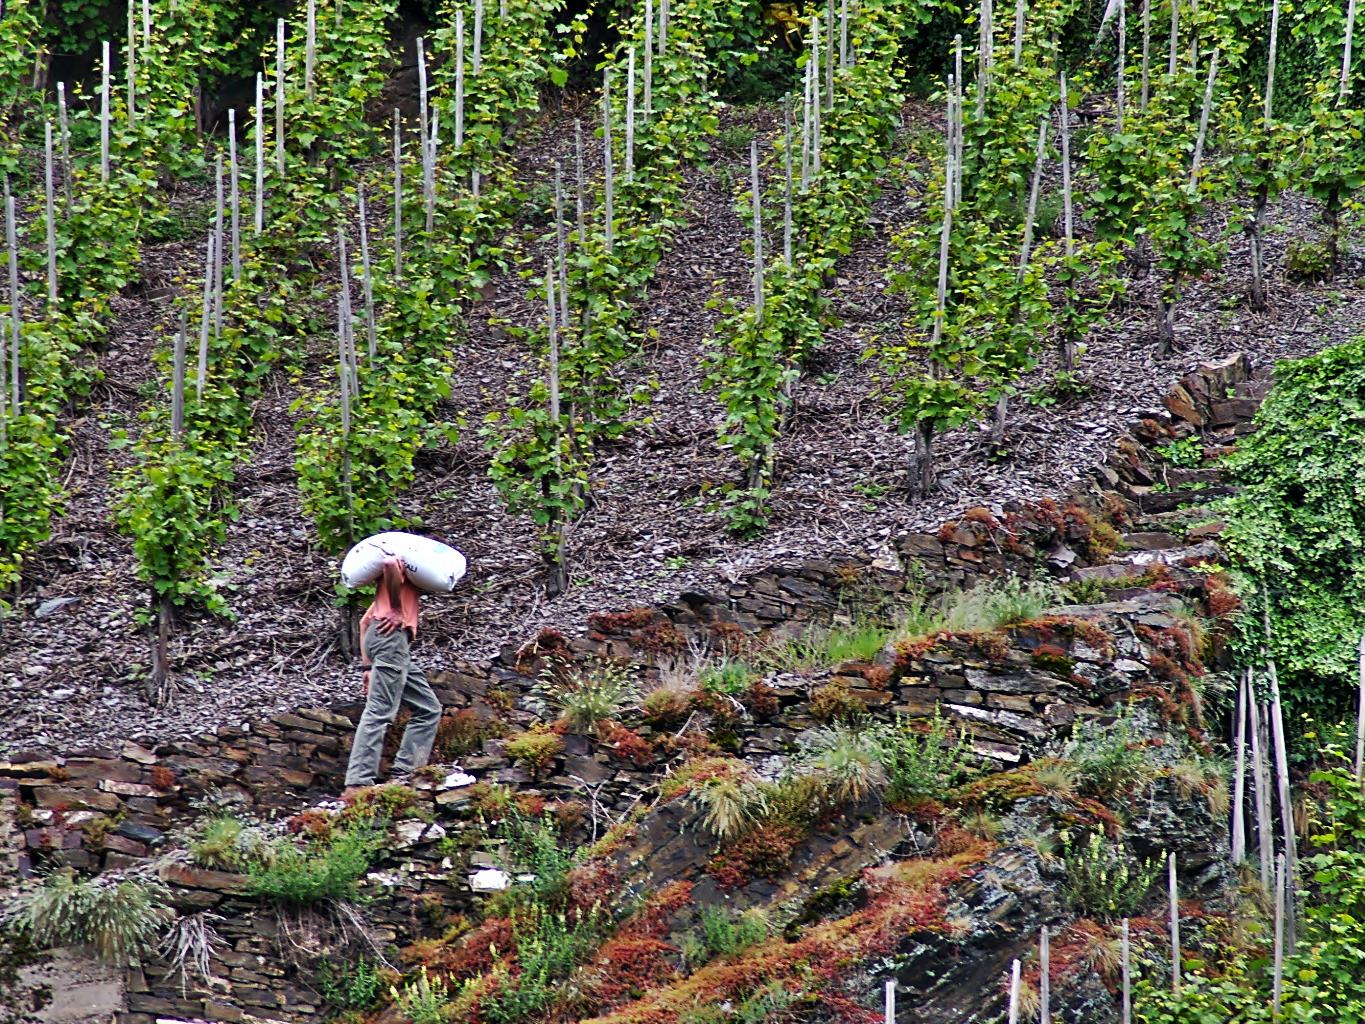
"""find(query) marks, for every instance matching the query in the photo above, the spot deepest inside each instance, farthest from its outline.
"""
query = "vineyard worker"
(387, 631)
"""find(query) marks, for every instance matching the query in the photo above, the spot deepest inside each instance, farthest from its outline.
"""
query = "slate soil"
(73, 676)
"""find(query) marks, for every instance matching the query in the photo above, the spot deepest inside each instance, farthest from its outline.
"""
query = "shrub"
(349, 986)
(584, 697)
(993, 604)
(859, 641)
(726, 677)
(1307, 259)
(725, 934)
(535, 749)
(423, 999)
(317, 871)
(462, 733)
(117, 917)
(1107, 762)
(226, 843)
(1102, 880)
(924, 764)
(666, 706)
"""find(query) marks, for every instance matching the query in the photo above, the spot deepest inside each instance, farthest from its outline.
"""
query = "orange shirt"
(407, 609)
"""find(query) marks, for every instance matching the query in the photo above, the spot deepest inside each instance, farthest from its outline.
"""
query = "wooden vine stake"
(561, 245)
(829, 55)
(580, 183)
(787, 187)
(1345, 86)
(758, 231)
(1014, 993)
(843, 35)
(1121, 65)
(147, 20)
(647, 99)
(1360, 715)
(258, 214)
(16, 314)
(310, 49)
(985, 56)
(50, 218)
(663, 27)
(205, 317)
(1020, 9)
(347, 313)
(1255, 227)
(1238, 830)
(1278, 984)
(806, 129)
(131, 66)
(1260, 775)
(104, 113)
(1067, 340)
(1286, 805)
(476, 59)
(65, 126)
(423, 117)
(1175, 37)
(559, 569)
(234, 174)
(160, 688)
(1146, 54)
(1175, 922)
(1044, 977)
(397, 196)
(607, 188)
(1126, 967)
(630, 116)
(815, 97)
(459, 81)
(178, 382)
(218, 247)
(889, 1011)
(367, 281)
(279, 97)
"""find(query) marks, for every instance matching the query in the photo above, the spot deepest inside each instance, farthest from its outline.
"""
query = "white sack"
(429, 564)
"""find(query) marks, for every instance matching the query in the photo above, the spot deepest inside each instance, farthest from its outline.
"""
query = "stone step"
(1168, 501)
(1151, 541)
(1177, 476)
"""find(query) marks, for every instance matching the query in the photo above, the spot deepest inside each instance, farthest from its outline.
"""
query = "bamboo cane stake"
(1044, 978)
(889, 1013)
(1239, 838)
(476, 59)
(104, 113)
(1345, 49)
(205, 318)
(1121, 68)
(1175, 922)
(235, 174)
(219, 244)
(648, 98)
(1278, 983)
(1175, 36)
(787, 172)
(1068, 211)
(630, 115)
(459, 81)
(367, 282)
(561, 245)
(178, 383)
(258, 199)
(607, 214)
(1146, 53)
(50, 218)
(1126, 956)
(397, 197)
(132, 67)
(758, 231)
(16, 314)
(1204, 118)
(1020, 7)
(310, 49)
(65, 126)
(1014, 993)
(279, 97)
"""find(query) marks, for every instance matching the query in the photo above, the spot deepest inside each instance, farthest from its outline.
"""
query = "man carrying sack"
(387, 631)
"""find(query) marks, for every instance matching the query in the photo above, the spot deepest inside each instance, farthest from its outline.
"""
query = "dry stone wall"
(119, 806)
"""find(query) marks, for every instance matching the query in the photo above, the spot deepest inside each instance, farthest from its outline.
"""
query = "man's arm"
(392, 582)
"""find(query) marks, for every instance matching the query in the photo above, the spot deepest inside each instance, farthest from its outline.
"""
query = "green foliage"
(924, 764)
(118, 917)
(1108, 762)
(1186, 452)
(1102, 879)
(423, 999)
(225, 843)
(729, 805)
(535, 749)
(1306, 259)
(725, 933)
(350, 986)
(850, 759)
(727, 676)
(1296, 529)
(323, 869)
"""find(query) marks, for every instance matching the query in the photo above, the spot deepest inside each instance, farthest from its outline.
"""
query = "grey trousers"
(394, 681)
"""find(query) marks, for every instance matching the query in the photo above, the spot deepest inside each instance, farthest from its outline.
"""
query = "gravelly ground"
(73, 677)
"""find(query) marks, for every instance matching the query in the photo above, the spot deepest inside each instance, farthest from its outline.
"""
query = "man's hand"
(387, 623)
(365, 684)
